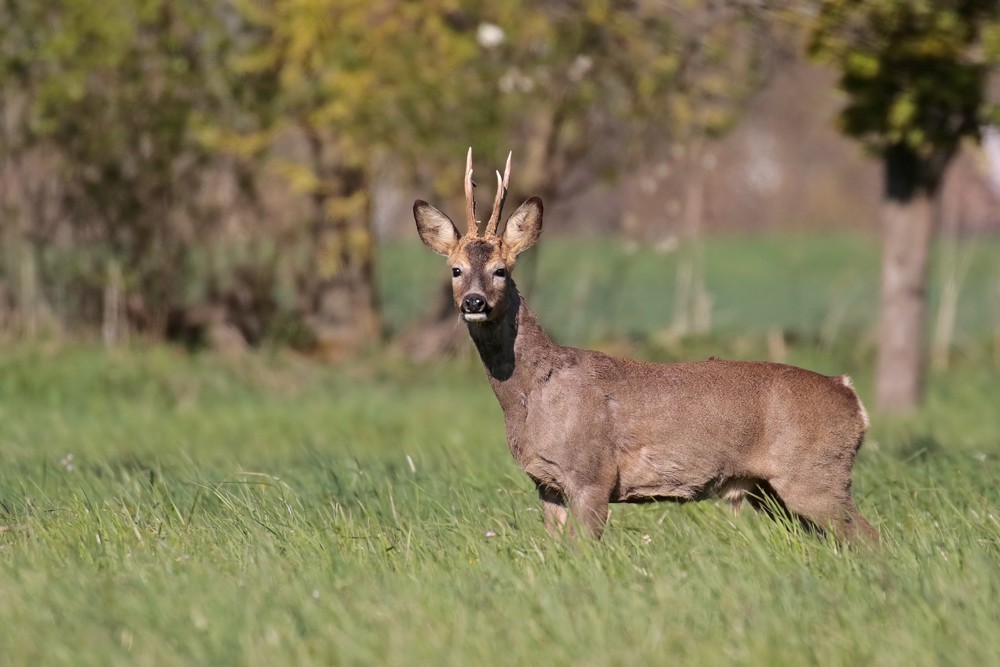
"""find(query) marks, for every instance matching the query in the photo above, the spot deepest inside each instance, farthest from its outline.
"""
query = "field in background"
(162, 508)
(810, 285)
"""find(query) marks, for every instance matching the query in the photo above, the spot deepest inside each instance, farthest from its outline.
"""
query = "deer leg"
(589, 509)
(828, 510)
(858, 528)
(553, 510)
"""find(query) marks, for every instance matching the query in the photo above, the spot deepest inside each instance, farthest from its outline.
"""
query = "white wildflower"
(490, 35)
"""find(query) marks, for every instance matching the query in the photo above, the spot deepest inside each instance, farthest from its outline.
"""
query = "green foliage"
(348, 67)
(388, 76)
(914, 70)
(116, 86)
(111, 94)
(597, 88)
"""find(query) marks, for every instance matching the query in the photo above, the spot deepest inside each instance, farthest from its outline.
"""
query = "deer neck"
(515, 351)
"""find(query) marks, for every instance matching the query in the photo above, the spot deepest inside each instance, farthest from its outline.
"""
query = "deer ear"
(436, 230)
(524, 226)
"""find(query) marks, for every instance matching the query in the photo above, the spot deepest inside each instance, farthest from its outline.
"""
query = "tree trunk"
(344, 313)
(908, 219)
(342, 310)
(692, 302)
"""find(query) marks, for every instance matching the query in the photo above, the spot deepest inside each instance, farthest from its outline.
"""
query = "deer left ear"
(524, 226)
(436, 230)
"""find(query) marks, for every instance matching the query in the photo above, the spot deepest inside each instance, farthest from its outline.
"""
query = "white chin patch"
(474, 317)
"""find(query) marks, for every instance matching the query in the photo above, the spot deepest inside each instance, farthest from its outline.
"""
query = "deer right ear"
(436, 230)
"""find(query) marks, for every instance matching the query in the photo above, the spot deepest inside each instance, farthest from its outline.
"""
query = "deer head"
(481, 265)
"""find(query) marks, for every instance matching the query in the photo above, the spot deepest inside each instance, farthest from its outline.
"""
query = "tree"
(361, 82)
(915, 75)
(109, 94)
(351, 84)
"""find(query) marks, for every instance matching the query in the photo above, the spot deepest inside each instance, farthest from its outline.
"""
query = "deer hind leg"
(858, 528)
(827, 509)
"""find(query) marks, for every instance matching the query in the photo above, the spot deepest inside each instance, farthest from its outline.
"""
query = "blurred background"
(732, 177)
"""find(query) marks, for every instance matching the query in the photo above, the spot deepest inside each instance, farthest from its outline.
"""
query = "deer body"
(590, 429)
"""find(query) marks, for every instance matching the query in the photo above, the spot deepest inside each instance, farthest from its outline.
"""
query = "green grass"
(590, 289)
(267, 513)
(277, 512)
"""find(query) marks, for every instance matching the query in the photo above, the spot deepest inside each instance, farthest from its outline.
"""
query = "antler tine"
(470, 200)
(502, 183)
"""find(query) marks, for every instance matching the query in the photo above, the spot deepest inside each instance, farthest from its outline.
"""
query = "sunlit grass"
(272, 512)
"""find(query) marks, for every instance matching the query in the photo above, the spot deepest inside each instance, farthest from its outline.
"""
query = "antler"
(491, 226)
(470, 200)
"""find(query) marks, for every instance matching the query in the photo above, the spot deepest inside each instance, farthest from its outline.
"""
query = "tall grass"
(275, 513)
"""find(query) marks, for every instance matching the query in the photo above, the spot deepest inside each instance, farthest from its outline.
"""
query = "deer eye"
(500, 273)
(456, 272)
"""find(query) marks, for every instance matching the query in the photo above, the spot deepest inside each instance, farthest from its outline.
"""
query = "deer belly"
(651, 476)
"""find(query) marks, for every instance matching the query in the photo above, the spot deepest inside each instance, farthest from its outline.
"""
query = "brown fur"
(591, 429)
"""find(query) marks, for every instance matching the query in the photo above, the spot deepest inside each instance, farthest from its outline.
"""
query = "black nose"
(473, 303)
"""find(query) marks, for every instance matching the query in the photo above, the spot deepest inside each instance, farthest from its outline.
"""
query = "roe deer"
(590, 429)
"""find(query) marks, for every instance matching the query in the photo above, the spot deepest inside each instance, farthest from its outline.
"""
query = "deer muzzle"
(474, 308)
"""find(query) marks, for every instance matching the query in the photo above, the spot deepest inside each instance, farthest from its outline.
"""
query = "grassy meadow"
(159, 507)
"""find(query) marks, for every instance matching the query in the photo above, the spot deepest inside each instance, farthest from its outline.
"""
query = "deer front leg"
(589, 509)
(553, 510)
